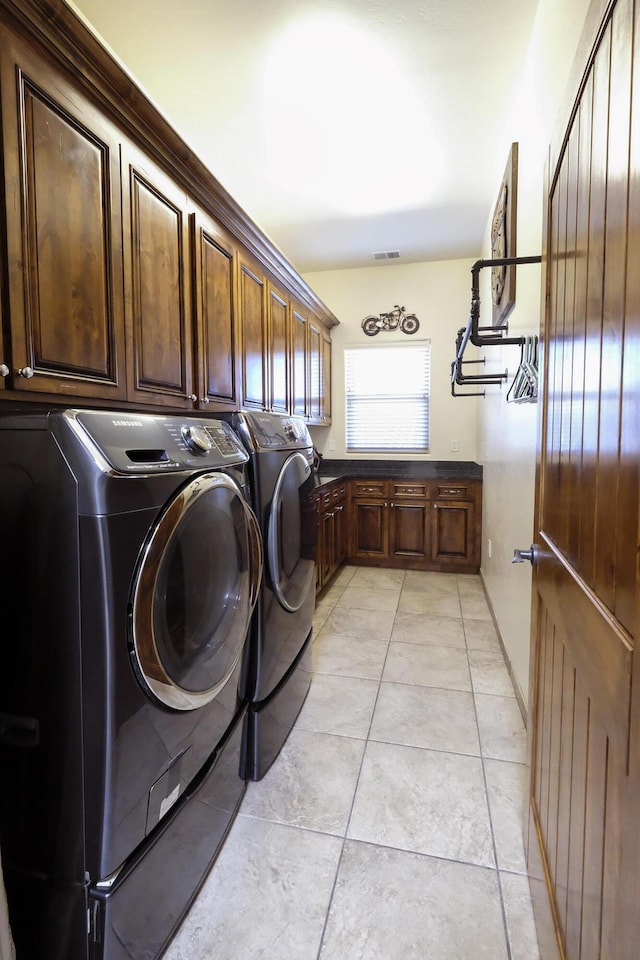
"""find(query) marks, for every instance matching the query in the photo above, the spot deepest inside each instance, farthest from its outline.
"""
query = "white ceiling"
(342, 127)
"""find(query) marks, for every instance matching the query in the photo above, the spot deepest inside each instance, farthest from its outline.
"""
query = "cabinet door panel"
(156, 271)
(299, 363)
(314, 343)
(408, 531)
(279, 351)
(340, 534)
(328, 545)
(254, 343)
(62, 182)
(370, 528)
(215, 311)
(453, 531)
(326, 378)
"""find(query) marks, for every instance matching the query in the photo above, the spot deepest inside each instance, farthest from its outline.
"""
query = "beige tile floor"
(389, 827)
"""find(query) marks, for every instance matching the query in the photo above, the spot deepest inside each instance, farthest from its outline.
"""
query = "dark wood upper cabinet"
(299, 325)
(128, 274)
(314, 347)
(325, 393)
(63, 232)
(279, 352)
(254, 339)
(157, 299)
(214, 295)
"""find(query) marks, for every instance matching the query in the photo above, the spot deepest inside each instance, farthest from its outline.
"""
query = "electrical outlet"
(455, 446)
(489, 545)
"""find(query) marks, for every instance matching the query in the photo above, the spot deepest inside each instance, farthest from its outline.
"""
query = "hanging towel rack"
(479, 336)
(524, 387)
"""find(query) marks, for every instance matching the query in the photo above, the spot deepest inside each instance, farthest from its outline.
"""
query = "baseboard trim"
(514, 680)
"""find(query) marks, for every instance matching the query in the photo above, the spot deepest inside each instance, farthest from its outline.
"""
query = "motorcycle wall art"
(396, 319)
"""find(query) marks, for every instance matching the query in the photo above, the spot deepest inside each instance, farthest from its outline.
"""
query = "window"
(387, 398)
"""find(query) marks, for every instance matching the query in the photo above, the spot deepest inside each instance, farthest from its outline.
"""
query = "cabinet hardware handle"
(4, 370)
(26, 372)
(204, 400)
(192, 397)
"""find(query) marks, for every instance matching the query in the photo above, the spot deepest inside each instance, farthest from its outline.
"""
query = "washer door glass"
(194, 591)
(291, 536)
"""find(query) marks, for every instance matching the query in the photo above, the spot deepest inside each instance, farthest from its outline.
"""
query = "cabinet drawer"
(417, 489)
(454, 491)
(369, 488)
(338, 492)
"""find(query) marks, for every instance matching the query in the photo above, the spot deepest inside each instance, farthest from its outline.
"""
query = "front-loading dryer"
(131, 565)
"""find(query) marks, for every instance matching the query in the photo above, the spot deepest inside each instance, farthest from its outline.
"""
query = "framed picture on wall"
(503, 241)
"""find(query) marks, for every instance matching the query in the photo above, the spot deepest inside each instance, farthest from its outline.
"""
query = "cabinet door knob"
(192, 397)
(25, 372)
(204, 400)
(4, 370)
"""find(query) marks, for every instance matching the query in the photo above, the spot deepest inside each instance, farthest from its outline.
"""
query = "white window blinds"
(387, 398)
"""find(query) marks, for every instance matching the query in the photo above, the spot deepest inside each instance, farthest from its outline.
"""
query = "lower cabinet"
(411, 525)
(331, 550)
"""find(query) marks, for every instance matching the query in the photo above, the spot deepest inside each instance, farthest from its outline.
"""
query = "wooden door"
(157, 287)
(215, 314)
(584, 797)
(254, 360)
(63, 232)
(279, 354)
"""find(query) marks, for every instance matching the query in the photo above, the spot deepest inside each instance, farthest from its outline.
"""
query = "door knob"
(519, 556)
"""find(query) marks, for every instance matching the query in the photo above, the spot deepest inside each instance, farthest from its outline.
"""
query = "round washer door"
(194, 590)
(291, 534)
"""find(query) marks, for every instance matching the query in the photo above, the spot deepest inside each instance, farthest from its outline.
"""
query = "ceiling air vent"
(387, 255)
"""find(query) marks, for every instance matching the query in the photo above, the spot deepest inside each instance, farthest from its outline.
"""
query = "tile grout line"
(357, 783)
(486, 791)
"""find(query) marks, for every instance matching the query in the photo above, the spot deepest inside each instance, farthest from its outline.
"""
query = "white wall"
(439, 294)
(507, 433)
(505, 442)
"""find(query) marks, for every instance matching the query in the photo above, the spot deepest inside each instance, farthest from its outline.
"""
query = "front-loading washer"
(130, 568)
(282, 486)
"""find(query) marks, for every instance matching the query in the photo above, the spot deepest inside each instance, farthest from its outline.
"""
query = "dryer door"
(292, 534)
(196, 583)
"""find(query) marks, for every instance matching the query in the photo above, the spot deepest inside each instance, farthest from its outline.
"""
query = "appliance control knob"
(197, 439)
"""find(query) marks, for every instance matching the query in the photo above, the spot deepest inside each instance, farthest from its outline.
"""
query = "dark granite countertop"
(400, 469)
